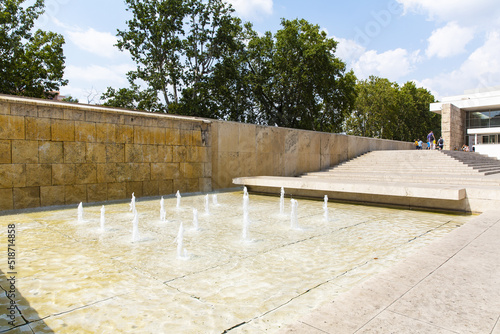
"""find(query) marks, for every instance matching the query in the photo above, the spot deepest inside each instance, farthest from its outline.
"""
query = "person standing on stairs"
(430, 139)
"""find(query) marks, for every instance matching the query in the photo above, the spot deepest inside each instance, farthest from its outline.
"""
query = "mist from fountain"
(214, 199)
(195, 219)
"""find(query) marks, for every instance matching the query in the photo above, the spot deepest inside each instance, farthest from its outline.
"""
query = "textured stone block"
(85, 132)
(5, 152)
(24, 151)
(74, 114)
(163, 171)
(150, 153)
(135, 188)
(133, 153)
(115, 152)
(27, 197)
(62, 130)
(50, 152)
(106, 133)
(172, 136)
(140, 172)
(4, 108)
(38, 175)
(191, 170)
(12, 175)
(166, 187)
(96, 152)
(52, 195)
(74, 194)
(11, 127)
(205, 185)
(142, 135)
(124, 134)
(165, 153)
(106, 173)
(97, 192)
(63, 174)
(179, 153)
(186, 185)
(6, 199)
(23, 109)
(150, 188)
(158, 134)
(38, 128)
(85, 173)
(117, 191)
(74, 152)
(50, 112)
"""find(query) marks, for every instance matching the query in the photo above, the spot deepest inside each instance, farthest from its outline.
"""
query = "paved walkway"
(450, 286)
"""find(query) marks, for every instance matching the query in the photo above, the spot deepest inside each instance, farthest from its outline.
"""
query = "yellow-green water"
(71, 277)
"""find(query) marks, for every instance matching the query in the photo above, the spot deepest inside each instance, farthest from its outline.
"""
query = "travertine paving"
(450, 286)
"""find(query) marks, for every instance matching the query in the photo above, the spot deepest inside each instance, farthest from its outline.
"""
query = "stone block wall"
(54, 153)
(452, 126)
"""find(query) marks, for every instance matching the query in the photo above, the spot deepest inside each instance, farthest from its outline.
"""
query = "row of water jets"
(181, 251)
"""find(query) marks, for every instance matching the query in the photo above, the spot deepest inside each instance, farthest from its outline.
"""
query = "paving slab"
(450, 286)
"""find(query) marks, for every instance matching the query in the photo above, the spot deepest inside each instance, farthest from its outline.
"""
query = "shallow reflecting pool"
(72, 276)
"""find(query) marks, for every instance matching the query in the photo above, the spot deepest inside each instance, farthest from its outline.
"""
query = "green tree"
(385, 110)
(176, 45)
(31, 64)
(297, 81)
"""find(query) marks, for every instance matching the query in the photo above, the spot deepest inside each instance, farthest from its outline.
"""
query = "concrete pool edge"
(443, 288)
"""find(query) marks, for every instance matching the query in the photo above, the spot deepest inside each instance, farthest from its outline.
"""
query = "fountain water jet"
(178, 195)
(103, 220)
(246, 221)
(163, 213)
(207, 209)
(181, 251)
(282, 201)
(294, 221)
(214, 199)
(135, 228)
(132, 205)
(195, 219)
(325, 208)
(80, 212)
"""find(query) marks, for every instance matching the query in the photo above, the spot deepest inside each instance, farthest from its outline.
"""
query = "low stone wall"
(54, 153)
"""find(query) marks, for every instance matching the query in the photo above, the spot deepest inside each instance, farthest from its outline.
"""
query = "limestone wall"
(452, 127)
(54, 153)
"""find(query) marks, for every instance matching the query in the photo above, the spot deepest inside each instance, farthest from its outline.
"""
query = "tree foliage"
(31, 63)
(385, 110)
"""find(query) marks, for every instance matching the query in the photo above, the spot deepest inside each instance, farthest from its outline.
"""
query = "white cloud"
(96, 42)
(252, 8)
(348, 50)
(113, 75)
(449, 40)
(392, 64)
(480, 70)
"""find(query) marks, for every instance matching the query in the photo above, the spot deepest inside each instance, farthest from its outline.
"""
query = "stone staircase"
(421, 179)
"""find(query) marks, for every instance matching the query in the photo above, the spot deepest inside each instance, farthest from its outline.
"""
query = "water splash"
(245, 191)
(163, 213)
(214, 199)
(135, 228)
(80, 212)
(178, 195)
(103, 220)
(282, 201)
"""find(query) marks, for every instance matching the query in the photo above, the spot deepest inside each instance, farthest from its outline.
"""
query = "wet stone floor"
(72, 276)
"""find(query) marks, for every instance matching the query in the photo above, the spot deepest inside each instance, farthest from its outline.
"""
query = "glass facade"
(482, 119)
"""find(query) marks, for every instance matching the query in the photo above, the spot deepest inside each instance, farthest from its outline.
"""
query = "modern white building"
(472, 119)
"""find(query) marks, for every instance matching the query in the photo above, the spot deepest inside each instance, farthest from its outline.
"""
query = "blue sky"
(446, 46)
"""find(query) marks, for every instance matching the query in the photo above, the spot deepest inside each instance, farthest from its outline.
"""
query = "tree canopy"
(385, 110)
(31, 63)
